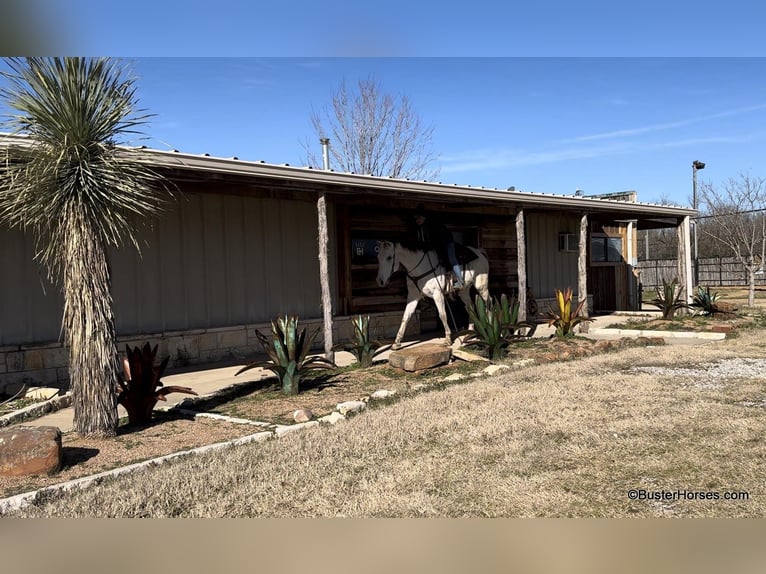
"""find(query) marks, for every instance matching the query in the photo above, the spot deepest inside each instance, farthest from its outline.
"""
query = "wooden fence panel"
(713, 272)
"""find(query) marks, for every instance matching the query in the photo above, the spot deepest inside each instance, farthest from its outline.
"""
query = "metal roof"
(340, 182)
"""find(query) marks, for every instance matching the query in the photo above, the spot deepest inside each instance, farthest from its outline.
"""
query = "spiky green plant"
(669, 299)
(67, 182)
(704, 302)
(565, 319)
(495, 325)
(363, 345)
(288, 350)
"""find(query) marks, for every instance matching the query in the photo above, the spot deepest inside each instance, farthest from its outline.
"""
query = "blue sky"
(549, 97)
(546, 125)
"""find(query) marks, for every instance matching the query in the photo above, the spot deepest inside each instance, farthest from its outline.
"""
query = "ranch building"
(237, 245)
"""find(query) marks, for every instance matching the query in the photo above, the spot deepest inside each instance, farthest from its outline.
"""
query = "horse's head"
(387, 262)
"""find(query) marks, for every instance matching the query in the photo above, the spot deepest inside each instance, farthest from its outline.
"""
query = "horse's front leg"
(438, 298)
(408, 311)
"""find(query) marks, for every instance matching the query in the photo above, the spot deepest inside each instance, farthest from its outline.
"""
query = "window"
(568, 242)
(605, 249)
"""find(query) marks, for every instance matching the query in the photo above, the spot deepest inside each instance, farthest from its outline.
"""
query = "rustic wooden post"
(582, 271)
(684, 260)
(324, 278)
(521, 264)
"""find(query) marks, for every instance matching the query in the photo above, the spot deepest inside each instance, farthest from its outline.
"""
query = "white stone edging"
(707, 335)
(37, 410)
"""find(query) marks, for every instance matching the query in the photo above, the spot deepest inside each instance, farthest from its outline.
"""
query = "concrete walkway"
(209, 379)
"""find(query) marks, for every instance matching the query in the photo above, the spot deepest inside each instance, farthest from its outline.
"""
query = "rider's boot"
(458, 277)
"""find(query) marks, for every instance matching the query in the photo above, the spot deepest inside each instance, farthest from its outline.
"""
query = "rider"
(432, 235)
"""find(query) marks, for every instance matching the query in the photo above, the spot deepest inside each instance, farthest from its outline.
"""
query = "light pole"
(696, 165)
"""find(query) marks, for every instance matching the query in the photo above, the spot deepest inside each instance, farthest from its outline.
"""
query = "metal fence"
(713, 271)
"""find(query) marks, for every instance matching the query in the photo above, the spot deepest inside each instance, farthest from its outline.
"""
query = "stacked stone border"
(37, 410)
(46, 364)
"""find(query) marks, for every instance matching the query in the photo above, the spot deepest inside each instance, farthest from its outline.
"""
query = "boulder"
(28, 451)
(302, 415)
(351, 407)
(333, 418)
(421, 357)
(495, 369)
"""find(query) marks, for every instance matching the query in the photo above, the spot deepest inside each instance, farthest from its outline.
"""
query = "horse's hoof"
(448, 341)
(396, 346)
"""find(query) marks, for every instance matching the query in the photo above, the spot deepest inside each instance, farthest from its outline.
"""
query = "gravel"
(710, 375)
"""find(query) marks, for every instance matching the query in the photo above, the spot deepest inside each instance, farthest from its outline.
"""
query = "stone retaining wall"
(46, 364)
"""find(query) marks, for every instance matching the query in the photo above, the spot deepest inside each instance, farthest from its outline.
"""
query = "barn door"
(602, 283)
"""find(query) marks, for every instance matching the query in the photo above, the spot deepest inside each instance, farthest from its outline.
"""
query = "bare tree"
(737, 221)
(659, 243)
(374, 133)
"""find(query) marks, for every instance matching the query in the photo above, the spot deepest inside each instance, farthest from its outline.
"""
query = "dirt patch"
(164, 435)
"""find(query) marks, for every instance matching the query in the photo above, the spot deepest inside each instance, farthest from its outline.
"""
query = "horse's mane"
(409, 245)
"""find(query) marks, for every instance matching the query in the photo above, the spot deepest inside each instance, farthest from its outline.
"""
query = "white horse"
(427, 277)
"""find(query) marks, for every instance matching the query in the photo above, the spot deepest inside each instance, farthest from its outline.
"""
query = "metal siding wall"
(547, 267)
(208, 261)
(30, 306)
(215, 261)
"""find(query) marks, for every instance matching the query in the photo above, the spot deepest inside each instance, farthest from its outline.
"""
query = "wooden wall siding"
(497, 236)
(361, 294)
(547, 267)
(220, 260)
(30, 306)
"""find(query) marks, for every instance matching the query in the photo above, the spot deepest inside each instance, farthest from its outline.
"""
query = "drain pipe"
(324, 278)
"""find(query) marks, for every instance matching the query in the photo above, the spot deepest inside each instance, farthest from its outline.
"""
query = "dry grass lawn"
(562, 439)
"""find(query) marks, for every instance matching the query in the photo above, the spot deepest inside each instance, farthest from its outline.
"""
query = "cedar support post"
(521, 264)
(685, 277)
(582, 271)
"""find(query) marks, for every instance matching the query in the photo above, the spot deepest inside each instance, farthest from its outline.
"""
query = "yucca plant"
(495, 325)
(288, 350)
(142, 388)
(363, 346)
(704, 302)
(77, 193)
(565, 320)
(669, 299)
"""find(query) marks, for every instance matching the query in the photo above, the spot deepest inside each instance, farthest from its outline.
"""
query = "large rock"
(30, 451)
(421, 357)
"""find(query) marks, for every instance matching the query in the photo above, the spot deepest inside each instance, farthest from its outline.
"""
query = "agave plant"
(142, 388)
(668, 299)
(704, 302)
(565, 320)
(495, 325)
(363, 346)
(288, 350)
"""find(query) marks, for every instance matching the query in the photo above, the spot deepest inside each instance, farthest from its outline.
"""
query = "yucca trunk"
(89, 330)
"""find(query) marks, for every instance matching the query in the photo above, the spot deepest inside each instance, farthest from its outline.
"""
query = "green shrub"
(565, 320)
(362, 346)
(704, 302)
(495, 326)
(669, 299)
(288, 350)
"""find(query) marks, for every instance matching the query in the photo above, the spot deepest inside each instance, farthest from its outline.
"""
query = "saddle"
(464, 254)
